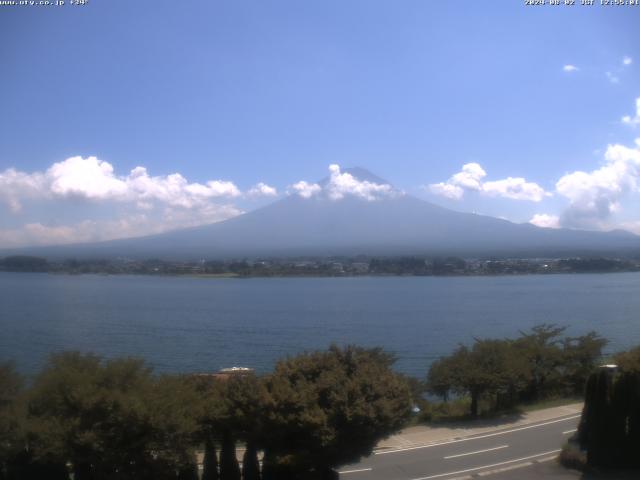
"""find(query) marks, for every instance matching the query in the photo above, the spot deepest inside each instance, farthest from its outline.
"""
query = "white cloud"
(94, 180)
(545, 221)
(626, 61)
(570, 68)
(635, 120)
(133, 225)
(515, 188)
(304, 189)
(87, 178)
(342, 184)
(594, 196)
(471, 178)
(16, 186)
(447, 190)
(632, 226)
(262, 190)
(145, 204)
(175, 190)
(612, 77)
(222, 188)
(173, 218)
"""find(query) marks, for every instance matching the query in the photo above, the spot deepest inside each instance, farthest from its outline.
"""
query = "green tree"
(250, 463)
(11, 441)
(24, 263)
(174, 421)
(229, 467)
(580, 356)
(208, 410)
(541, 349)
(629, 360)
(214, 420)
(489, 367)
(244, 403)
(111, 417)
(210, 460)
(330, 408)
(440, 379)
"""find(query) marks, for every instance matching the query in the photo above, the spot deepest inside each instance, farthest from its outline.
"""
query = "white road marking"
(487, 466)
(570, 431)
(478, 451)
(515, 466)
(355, 471)
(385, 452)
(546, 459)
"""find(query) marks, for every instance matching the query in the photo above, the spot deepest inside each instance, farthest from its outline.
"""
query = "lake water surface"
(202, 324)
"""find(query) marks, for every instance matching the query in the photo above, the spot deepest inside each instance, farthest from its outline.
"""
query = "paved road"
(549, 471)
(554, 471)
(491, 452)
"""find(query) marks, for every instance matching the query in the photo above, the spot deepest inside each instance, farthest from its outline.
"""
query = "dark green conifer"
(210, 462)
(229, 467)
(250, 464)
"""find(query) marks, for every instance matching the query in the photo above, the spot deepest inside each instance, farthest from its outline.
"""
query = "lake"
(184, 324)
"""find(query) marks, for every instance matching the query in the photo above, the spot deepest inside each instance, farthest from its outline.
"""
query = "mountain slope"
(394, 224)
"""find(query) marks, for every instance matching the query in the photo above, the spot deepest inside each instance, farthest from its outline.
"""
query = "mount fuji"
(368, 216)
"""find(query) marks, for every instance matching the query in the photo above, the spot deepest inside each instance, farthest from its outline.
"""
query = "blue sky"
(242, 93)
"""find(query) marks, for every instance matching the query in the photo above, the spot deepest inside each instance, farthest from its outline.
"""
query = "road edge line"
(477, 436)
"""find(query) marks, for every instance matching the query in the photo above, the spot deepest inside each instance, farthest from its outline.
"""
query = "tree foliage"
(111, 419)
(11, 439)
(489, 367)
(580, 356)
(99, 419)
(543, 355)
(610, 425)
(210, 461)
(629, 361)
(24, 263)
(539, 364)
(329, 408)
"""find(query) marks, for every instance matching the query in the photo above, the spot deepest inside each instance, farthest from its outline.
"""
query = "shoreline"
(370, 275)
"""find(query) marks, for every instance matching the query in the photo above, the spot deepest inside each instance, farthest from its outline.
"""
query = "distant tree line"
(98, 419)
(418, 266)
(323, 267)
(541, 363)
(586, 265)
(24, 263)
